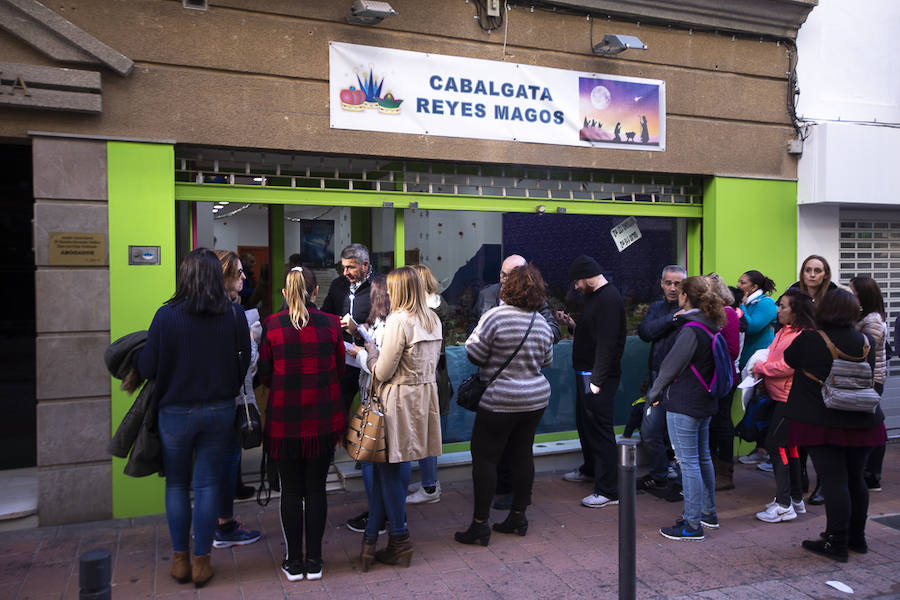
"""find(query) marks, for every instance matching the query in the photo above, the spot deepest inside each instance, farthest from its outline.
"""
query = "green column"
(276, 253)
(399, 237)
(750, 224)
(141, 212)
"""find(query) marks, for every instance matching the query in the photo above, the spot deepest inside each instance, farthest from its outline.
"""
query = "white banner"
(398, 91)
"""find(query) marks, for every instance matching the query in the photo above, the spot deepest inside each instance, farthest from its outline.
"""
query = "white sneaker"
(577, 476)
(753, 458)
(765, 466)
(798, 507)
(775, 513)
(413, 488)
(597, 501)
(421, 495)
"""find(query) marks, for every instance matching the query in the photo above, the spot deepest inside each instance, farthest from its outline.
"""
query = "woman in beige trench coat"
(405, 370)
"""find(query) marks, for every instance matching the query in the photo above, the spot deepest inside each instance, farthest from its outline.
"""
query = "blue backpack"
(723, 372)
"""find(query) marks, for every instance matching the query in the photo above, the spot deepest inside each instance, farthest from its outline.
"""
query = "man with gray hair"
(659, 329)
(348, 298)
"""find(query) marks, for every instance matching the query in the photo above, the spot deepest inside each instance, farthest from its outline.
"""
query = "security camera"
(369, 12)
(616, 44)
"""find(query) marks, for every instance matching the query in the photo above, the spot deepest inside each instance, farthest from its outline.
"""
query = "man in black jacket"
(597, 359)
(658, 328)
(348, 298)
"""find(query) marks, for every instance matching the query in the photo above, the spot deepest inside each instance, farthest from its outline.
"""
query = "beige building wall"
(255, 75)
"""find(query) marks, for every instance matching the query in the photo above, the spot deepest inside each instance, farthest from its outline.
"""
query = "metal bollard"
(627, 524)
(94, 575)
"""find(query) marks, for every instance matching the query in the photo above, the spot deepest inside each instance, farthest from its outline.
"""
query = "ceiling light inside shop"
(258, 179)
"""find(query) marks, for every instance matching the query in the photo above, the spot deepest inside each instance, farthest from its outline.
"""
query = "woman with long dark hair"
(689, 405)
(872, 324)
(795, 314)
(512, 405)
(760, 312)
(301, 359)
(198, 351)
(839, 441)
(404, 370)
(230, 531)
(815, 277)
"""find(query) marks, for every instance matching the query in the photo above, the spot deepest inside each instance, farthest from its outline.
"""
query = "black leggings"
(303, 502)
(785, 459)
(492, 433)
(840, 471)
(721, 430)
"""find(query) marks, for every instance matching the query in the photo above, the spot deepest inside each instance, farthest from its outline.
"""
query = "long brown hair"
(826, 281)
(295, 296)
(701, 296)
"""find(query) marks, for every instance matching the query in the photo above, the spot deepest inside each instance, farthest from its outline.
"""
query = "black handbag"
(472, 388)
(246, 419)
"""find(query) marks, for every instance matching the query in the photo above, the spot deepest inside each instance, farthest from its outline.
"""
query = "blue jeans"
(231, 463)
(690, 439)
(653, 437)
(388, 497)
(428, 471)
(204, 429)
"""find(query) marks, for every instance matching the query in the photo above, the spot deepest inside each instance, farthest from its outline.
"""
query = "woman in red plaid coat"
(301, 359)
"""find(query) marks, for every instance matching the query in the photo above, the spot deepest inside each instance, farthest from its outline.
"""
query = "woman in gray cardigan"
(512, 405)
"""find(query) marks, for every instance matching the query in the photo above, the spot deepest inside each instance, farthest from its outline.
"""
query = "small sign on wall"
(626, 233)
(143, 255)
(77, 249)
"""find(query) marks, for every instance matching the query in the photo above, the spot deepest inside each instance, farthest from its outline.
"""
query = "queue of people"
(201, 350)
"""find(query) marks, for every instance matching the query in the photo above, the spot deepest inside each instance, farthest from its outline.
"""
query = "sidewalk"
(569, 552)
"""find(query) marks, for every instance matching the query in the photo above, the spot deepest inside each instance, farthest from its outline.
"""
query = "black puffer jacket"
(137, 436)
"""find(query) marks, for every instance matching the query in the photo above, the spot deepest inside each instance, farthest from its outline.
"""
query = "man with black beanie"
(596, 357)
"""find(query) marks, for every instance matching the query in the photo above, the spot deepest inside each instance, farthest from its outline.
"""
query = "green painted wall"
(141, 212)
(750, 224)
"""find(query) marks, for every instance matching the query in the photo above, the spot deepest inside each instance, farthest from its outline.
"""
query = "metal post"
(627, 524)
(94, 574)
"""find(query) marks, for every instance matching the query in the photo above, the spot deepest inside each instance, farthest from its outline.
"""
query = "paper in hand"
(748, 382)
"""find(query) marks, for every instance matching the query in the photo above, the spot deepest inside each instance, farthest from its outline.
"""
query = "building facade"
(152, 126)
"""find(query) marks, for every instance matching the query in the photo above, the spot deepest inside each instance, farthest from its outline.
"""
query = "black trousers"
(840, 471)
(785, 461)
(876, 459)
(493, 434)
(594, 421)
(721, 431)
(303, 502)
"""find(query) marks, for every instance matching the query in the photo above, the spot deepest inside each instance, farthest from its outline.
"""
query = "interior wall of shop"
(255, 75)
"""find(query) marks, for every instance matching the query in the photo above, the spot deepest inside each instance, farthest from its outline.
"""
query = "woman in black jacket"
(838, 441)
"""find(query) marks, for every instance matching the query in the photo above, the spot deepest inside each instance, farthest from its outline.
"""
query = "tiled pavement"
(569, 552)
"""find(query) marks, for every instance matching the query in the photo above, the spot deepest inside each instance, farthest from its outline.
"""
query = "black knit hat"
(584, 267)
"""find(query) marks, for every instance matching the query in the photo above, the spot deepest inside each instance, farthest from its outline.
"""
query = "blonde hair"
(295, 296)
(407, 292)
(718, 287)
(431, 284)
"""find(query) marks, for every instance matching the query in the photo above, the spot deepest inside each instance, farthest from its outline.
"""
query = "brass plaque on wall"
(77, 249)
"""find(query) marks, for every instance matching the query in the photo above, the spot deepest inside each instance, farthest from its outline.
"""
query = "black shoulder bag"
(472, 389)
(246, 419)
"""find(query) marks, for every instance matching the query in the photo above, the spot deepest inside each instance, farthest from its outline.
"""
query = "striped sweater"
(521, 387)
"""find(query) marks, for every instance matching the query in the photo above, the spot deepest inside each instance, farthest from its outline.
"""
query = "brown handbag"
(365, 440)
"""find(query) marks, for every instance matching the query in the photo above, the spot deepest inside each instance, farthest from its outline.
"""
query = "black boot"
(804, 478)
(477, 533)
(832, 545)
(399, 550)
(515, 522)
(367, 554)
(857, 543)
(816, 498)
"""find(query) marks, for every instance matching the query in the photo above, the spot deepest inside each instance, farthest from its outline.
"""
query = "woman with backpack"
(839, 441)
(681, 387)
(872, 324)
(795, 314)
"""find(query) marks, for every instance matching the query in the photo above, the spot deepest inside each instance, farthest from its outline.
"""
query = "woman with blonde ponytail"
(301, 359)
(689, 405)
